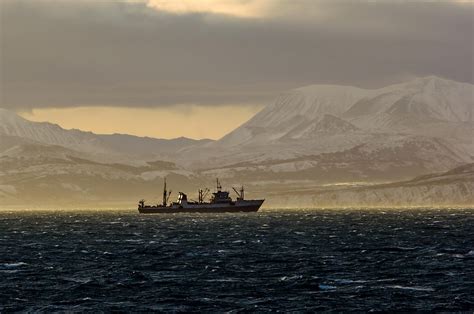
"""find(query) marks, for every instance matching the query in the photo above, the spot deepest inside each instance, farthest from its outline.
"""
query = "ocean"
(273, 260)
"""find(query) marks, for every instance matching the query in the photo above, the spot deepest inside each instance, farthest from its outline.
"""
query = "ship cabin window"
(182, 197)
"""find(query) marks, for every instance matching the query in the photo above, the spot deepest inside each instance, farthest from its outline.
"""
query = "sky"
(199, 68)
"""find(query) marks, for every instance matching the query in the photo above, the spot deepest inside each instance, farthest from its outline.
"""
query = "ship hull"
(249, 206)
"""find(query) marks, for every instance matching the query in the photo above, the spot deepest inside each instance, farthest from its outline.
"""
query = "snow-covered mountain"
(12, 124)
(35, 174)
(425, 122)
(423, 100)
(114, 147)
(309, 137)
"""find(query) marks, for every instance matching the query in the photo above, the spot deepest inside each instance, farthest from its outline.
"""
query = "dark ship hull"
(253, 206)
(220, 202)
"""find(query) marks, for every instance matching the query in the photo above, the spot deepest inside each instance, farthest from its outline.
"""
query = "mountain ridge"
(355, 105)
(112, 145)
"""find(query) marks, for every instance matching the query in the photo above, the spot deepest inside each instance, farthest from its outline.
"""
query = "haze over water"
(340, 260)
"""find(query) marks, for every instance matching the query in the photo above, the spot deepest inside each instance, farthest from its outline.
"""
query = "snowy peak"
(294, 109)
(428, 98)
(431, 82)
(47, 133)
(316, 108)
(310, 102)
(13, 124)
(113, 146)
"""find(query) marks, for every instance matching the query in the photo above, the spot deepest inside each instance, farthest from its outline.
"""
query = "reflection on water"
(288, 260)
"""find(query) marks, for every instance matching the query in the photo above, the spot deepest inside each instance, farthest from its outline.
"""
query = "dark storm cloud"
(70, 53)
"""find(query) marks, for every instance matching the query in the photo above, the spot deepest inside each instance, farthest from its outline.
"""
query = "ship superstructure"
(220, 201)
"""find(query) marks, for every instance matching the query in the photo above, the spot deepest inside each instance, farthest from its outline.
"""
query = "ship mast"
(219, 187)
(165, 193)
(202, 194)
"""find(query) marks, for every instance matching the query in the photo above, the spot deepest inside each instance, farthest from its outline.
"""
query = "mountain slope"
(423, 100)
(114, 147)
(291, 110)
(429, 98)
(327, 125)
(36, 174)
(386, 158)
(452, 188)
(332, 134)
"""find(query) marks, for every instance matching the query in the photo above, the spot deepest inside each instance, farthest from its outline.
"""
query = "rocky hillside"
(451, 188)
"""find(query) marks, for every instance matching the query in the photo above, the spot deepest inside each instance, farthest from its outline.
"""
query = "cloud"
(260, 8)
(240, 8)
(121, 53)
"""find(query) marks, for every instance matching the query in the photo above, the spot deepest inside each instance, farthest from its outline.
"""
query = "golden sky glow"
(239, 8)
(189, 121)
(249, 8)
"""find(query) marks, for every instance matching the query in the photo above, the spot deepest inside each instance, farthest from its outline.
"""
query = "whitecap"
(428, 289)
(13, 265)
(287, 278)
(349, 281)
(9, 271)
(223, 280)
(326, 287)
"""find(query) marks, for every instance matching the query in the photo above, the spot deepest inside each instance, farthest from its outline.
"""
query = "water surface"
(284, 260)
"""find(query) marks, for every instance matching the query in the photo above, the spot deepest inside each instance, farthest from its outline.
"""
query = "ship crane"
(202, 195)
(240, 194)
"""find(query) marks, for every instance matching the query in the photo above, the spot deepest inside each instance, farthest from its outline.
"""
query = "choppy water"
(273, 260)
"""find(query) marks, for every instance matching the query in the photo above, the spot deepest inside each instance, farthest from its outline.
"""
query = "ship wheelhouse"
(221, 197)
